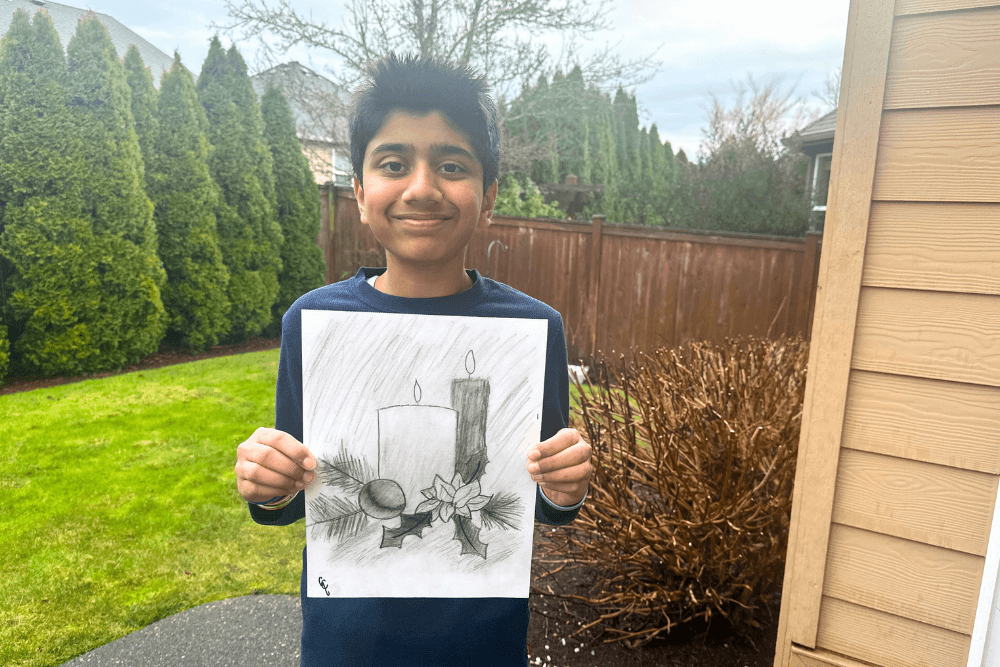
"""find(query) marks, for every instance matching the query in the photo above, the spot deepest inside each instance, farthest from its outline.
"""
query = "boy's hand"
(272, 463)
(561, 466)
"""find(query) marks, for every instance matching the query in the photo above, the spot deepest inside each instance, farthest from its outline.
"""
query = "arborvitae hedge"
(249, 235)
(186, 200)
(4, 352)
(80, 300)
(114, 193)
(140, 83)
(298, 204)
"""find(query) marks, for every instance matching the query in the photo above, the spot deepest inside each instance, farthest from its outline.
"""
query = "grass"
(118, 504)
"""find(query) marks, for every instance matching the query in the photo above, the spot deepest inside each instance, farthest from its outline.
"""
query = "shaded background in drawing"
(355, 364)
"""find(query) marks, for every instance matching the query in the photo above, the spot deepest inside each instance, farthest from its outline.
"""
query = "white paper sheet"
(421, 425)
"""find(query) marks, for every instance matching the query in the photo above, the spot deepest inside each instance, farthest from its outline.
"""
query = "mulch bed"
(554, 639)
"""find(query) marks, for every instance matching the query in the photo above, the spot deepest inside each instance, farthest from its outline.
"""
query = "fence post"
(596, 243)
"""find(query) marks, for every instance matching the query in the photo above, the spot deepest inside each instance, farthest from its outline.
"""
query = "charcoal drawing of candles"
(415, 443)
(470, 397)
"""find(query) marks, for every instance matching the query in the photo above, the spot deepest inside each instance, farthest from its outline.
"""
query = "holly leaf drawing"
(409, 524)
(473, 466)
(468, 536)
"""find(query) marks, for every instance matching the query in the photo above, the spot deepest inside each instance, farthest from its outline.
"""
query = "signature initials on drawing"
(322, 583)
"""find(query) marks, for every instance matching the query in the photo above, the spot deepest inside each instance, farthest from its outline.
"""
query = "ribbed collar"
(453, 304)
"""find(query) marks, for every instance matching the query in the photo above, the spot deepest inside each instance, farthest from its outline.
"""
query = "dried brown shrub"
(694, 454)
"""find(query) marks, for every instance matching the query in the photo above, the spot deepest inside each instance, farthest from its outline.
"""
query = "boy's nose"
(422, 185)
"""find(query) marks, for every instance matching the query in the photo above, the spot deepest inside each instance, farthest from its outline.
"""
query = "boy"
(425, 151)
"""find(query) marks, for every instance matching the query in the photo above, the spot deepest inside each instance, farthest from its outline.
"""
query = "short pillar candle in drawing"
(415, 443)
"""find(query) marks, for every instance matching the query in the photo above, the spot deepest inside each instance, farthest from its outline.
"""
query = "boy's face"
(423, 191)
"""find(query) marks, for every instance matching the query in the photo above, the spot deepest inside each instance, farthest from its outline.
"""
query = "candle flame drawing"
(417, 392)
(470, 363)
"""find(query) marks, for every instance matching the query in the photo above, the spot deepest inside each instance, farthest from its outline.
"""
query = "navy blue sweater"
(438, 632)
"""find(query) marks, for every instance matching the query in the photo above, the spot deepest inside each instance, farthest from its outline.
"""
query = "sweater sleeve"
(555, 414)
(287, 413)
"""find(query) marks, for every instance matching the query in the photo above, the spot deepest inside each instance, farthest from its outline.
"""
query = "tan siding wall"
(946, 247)
(944, 60)
(939, 155)
(919, 451)
(877, 571)
(887, 640)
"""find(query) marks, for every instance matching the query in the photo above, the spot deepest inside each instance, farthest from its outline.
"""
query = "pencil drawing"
(420, 428)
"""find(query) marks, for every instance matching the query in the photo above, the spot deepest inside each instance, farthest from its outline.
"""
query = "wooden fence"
(621, 288)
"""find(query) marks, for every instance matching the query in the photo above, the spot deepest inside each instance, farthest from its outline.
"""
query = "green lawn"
(118, 504)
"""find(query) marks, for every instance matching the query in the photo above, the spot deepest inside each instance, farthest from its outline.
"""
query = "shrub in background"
(186, 200)
(519, 196)
(249, 235)
(694, 457)
(76, 229)
(4, 353)
(302, 266)
(143, 98)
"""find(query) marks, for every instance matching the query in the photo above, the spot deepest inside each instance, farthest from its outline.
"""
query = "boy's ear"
(359, 194)
(489, 201)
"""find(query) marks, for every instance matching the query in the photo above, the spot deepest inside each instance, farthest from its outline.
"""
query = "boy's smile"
(423, 200)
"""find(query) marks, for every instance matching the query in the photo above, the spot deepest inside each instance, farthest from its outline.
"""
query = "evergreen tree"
(4, 353)
(662, 176)
(644, 196)
(249, 236)
(114, 189)
(85, 293)
(186, 201)
(140, 83)
(585, 169)
(543, 132)
(298, 202)
(606, 170)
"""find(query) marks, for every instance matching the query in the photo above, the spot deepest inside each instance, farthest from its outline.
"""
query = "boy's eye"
(452, 168)
(393, 166)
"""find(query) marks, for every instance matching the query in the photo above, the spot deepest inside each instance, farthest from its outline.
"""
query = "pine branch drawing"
(345, 472)
(335, 517)
(502, 511)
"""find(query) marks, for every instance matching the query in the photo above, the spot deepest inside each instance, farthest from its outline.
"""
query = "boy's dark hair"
(423, 85)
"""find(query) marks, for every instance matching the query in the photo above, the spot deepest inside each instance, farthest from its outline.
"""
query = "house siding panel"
(944, 61)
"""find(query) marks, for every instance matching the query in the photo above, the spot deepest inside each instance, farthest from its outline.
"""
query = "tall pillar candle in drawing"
(415, 443)
(471, 398)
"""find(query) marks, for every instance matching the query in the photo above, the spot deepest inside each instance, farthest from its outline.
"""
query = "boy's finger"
(566, 437)
(572, 474)
(287, 445)
(261, 476)
(571, 456)
(270, 459)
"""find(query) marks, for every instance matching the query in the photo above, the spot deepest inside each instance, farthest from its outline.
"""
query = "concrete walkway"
(255, 630)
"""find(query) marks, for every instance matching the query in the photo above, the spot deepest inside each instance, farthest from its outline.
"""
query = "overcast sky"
(706, 45)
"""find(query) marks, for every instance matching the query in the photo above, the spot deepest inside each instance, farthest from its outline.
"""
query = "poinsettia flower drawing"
(447, 499)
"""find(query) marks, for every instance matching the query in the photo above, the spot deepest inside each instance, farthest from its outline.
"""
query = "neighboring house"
(65, 18)
(319, 107)
(817, 142)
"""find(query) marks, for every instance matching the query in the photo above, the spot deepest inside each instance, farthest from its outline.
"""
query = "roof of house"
(820, 130)
(65, 18)
(319, 106)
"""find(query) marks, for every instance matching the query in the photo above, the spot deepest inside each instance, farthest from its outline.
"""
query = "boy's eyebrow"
(436, 150)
